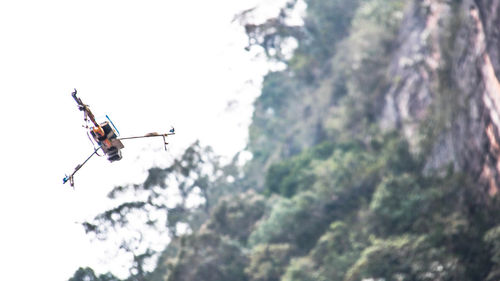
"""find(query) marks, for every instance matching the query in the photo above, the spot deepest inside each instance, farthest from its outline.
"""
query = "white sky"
(148, 64)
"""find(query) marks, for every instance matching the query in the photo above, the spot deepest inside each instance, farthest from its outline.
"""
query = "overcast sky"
(148, 65)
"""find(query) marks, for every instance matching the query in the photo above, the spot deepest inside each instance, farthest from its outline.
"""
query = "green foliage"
(405, 258)
(326, 24)
(302, 269)
(87, 274)
(296, 221)
(272, 34)
(268, 120)
(187, 175)
(296, 174)
(441, 209)
(289, 176)
(360, 65)
(345, 170)
(235, 216)
(267, 262)
(275, 94)
(492, 238)
(336, 251)
(167, 260)
(351, 173)
(327, 196)
(396, 204)
(379, 190)
(281, 126)
(207, 256)
(196, 176)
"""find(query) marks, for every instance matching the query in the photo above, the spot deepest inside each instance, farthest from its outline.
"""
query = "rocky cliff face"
(446, 69)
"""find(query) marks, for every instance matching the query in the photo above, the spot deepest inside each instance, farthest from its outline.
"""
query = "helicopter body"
(105, 137)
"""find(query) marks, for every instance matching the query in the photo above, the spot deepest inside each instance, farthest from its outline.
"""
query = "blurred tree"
(236, 215)
(171, 201)
(87, 274)
(267, 262)
(272, 34)
(406, 258)
(302, 269)
(207, 256)
(327, 195)
(396, 205)
(289, 176)
(492, 237)
(297, 221)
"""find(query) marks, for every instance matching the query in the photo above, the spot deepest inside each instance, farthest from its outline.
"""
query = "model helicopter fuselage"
(104, 134)
(106, 137)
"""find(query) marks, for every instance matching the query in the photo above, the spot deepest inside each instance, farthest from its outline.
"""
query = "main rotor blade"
(150, 135)
(78, 167)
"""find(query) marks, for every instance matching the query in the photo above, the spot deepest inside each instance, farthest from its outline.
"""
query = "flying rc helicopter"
(105, 137)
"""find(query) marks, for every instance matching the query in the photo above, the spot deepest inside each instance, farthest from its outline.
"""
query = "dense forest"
(375, 157)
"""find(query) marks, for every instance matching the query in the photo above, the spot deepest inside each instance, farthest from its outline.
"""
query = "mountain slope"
(446, 86)
(375, 155)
